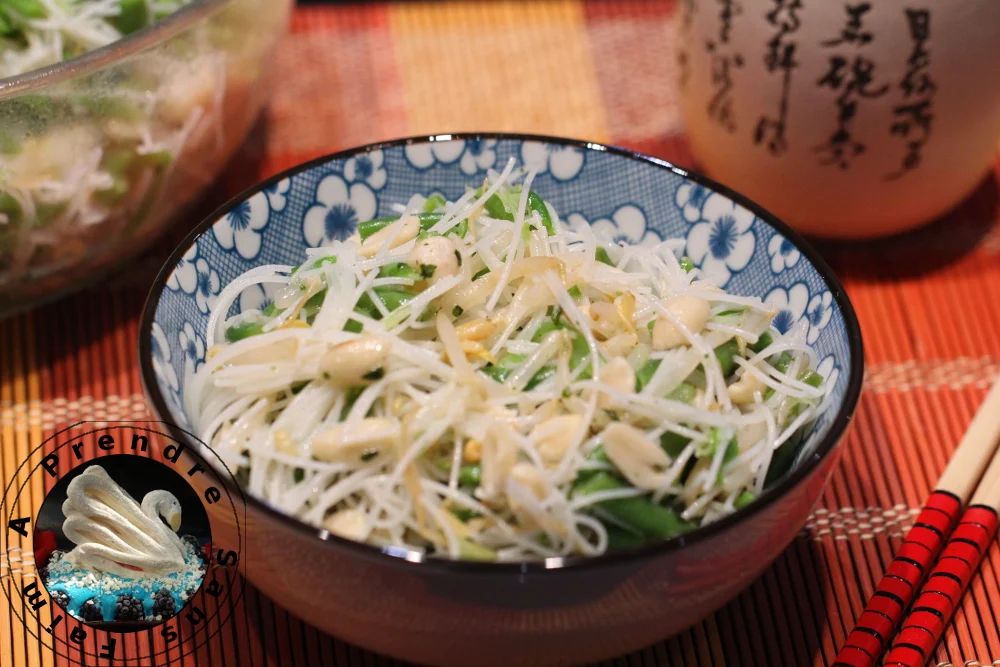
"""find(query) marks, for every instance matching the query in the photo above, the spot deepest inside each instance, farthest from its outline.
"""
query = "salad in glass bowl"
(115, 114)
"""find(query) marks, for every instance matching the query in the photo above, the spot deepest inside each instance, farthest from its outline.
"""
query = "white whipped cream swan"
(113, 531)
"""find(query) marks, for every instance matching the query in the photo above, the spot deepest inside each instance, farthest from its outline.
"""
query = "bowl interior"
(633, 199)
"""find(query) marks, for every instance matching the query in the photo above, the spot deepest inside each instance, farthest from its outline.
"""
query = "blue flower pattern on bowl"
(193, 346)
(828, 369)
(207, 285)
(784, 254)
(690, 199)
(240, 228)
(819, 311)
(722, 242)
(366, 168)
(563, 163)
(626, 199)
(256, 297)
(338, 209)
(184, 277)
(472, 155)
(160, 349)
(276, 194)
(626, 225)
(789, 304)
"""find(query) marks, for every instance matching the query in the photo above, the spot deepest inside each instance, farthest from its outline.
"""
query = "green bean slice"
(640, 513)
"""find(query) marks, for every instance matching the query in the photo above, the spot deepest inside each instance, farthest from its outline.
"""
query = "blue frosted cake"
(95, 596)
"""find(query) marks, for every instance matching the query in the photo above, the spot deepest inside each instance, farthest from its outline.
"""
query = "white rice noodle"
(431, 400)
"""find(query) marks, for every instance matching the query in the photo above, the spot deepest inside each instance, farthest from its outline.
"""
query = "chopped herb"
(686, 264)
(784, 362)
(244, 330)
(433, 203)
(811, 378)
(427, 270)
(423, 234)
(458, 257)
(374, 375)
(537, 205)
(645, 373)
(353, 326)
(313, 304)
(495, 208)
(351, 398)
(674, 444)
(470, 475)
(794, 412)
(731, 311)
(744, 499)
(10, 207)
(457, 311)
(482, 272)
(543, 374)
(332, 259)
(298, 474)
(369, 455)
(502, 369)
(464, 515)
(726, 354)
(579, 354)
(684, 392)
(369, 227)
(732, 451)
(546, 328)
(706, 448)
(620, 538)
(392, 297)
(575, 292)
(762, 343)
(783, 458)
(399, 270)
(601, 255)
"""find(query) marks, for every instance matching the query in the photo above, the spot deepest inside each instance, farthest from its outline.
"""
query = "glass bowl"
(99, 153)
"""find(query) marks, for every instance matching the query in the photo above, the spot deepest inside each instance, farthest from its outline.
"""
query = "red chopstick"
(965, 541)
(946, 583)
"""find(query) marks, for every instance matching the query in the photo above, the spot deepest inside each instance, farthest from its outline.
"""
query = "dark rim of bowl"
(129, 45)
(407, 557)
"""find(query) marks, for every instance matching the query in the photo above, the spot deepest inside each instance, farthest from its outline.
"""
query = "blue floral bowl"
(561, 611)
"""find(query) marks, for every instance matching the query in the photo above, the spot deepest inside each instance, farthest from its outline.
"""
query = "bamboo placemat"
(600, 70)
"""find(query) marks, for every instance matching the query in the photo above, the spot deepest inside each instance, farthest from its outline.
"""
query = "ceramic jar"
(846, 119)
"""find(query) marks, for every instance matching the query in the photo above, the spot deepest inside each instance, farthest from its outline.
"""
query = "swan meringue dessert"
(129, 564)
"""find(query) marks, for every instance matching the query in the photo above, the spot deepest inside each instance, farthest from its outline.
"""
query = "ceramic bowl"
(560, 611)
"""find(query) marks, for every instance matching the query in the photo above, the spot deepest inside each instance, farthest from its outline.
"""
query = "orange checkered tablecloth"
(353, 74)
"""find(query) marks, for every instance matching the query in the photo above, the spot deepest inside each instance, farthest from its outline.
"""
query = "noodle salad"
(96, 156)
(37, 33)
(479, 379)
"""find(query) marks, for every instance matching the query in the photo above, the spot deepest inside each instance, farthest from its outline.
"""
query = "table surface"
(353, 74)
